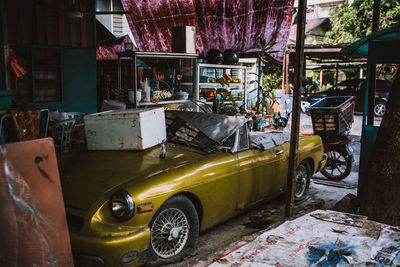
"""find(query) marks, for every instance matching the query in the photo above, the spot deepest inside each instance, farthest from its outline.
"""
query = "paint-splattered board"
(33, 227)
(309, 241)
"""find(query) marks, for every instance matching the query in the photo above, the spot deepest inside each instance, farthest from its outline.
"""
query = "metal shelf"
(219, 66)
(162, 102)
(217, 85)
(225, 102)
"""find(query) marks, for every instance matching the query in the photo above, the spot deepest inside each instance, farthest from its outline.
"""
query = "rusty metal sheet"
(33, 227)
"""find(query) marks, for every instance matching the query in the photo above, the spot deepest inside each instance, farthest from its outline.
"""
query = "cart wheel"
(338, 165)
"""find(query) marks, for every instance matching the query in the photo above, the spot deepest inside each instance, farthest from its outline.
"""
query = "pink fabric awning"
(108, 51)
(221, 24)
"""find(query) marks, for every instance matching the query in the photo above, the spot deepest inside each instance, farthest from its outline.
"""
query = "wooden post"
(287, 86)
(372, 77)
(294, 137)
(320, 77)
(284, 73)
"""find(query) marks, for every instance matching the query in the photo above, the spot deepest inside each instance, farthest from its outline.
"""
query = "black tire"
(174, 231)
(338, 165)
(302, 181)
(379, 109)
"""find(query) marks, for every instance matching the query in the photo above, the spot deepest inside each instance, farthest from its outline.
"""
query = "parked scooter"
(304, 105)
(281, 120)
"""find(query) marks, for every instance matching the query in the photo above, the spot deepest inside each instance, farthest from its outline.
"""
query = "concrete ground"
(221, 239)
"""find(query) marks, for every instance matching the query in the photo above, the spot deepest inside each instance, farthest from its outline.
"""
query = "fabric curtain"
(221, 24)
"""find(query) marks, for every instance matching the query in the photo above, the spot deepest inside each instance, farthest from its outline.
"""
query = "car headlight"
(122, 206)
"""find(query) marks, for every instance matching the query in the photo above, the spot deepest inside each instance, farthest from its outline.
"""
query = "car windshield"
(206, 131)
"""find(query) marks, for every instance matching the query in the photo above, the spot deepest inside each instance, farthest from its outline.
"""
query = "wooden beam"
(320, 77)
(294, 136)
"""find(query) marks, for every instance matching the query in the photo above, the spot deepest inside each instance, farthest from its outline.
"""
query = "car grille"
(75, 223)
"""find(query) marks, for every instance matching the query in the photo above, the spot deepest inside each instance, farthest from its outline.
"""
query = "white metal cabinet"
(209, 72)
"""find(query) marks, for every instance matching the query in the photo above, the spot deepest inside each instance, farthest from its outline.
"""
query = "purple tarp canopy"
(221, 24)
(108, 51)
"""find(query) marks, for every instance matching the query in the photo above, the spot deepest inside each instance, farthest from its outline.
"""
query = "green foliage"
(220, 107)
(272, 81)
(352, 22)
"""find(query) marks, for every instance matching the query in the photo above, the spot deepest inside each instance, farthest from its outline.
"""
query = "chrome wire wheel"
(301, 181)
(169, 233)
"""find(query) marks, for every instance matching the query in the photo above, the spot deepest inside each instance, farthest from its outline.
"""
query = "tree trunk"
(380, 196)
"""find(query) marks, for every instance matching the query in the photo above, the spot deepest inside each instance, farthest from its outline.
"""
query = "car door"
(256, 170)
(258, 178)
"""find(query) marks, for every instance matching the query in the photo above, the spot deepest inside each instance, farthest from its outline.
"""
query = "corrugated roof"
(310, 25)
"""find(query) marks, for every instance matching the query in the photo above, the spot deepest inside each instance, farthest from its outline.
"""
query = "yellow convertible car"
(126, 208)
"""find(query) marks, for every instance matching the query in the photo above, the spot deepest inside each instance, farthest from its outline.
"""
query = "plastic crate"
(332, 116)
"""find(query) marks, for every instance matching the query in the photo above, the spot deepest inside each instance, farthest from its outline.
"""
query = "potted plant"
(265, 91)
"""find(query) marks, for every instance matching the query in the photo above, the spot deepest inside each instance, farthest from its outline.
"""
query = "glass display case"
(160, 78)
(208, 81)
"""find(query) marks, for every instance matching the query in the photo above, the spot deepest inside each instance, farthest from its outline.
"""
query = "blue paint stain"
(329, 254)
(19, 203)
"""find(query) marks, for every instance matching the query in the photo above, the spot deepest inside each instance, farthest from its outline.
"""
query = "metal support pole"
(259, 79)
(371, 95)
(119, 73)
(134, 82)
(287, 86)
(372, 77)
(294, 138)
(283, 73)
(337, 73)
